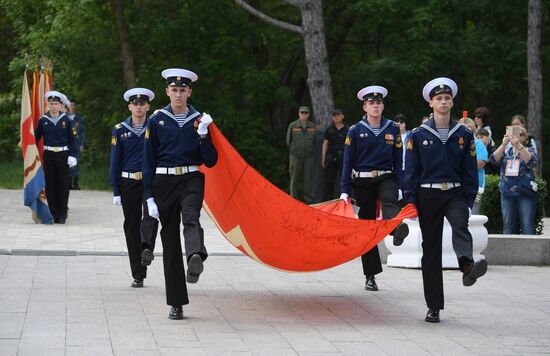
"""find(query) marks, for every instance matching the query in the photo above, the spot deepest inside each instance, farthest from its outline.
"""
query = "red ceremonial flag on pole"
(33, 175)
(37, 107)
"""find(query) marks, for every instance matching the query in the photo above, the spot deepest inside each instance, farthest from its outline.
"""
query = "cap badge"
(441, 86)
(139, 96)
(178, 77)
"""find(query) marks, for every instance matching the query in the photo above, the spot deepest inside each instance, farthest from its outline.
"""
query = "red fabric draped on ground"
(273, 228)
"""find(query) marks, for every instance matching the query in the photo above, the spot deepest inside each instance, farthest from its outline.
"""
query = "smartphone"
(514, 131)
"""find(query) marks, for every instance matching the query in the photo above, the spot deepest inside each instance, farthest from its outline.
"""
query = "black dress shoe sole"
(147, 257)
(400, 233)
(137, 284)
(478, 270)
(194, 268)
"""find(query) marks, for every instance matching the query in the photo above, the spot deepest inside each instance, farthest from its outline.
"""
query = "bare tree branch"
(281, 24)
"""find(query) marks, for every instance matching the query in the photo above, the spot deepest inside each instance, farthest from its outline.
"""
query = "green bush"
(490, 205)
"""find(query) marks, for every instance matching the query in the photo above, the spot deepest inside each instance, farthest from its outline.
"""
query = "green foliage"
(252, 74)
(9, 127)
(490, 205)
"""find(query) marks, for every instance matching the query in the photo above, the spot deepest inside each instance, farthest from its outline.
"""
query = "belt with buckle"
(371, 174)
(176, 171)
(56, 148)
(442, 186)
(136, 175)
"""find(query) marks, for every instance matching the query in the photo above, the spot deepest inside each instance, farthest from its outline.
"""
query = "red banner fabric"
(277, 230)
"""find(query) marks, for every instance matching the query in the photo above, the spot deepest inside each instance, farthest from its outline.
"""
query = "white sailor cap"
(438, 86)
(64, 100)
(179, 77)
(141, 95)
(54, 95)
(373, 92)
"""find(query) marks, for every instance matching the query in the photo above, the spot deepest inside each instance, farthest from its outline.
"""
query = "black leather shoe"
(146, 257)
(194, 268)
(61, 220)
(473, 272)
(137, 283)
(370, 284)
(176, 313)
(432, 316)
(399, 234)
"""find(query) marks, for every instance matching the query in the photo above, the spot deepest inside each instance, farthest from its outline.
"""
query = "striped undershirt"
(444, 134)
(375, 130)
(180, 118)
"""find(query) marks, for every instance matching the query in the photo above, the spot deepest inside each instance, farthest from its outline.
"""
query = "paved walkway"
(83, 305)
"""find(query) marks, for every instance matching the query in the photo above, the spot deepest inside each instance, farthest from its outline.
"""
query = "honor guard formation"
(155, 160)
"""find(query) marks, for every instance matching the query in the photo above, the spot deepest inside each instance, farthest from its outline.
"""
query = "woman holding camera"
(518, 190)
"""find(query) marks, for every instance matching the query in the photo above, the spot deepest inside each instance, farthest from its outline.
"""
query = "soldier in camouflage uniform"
(300, 139)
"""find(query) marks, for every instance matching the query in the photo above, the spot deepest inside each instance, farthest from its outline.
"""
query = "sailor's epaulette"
(118, 126)
(394, 123)
(415, 129)
(352, 127)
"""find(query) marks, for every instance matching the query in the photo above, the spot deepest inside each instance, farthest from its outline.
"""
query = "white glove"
(344, 197)
(117, 201)
(399, 194)
(469, 212)
(152, 207)
(203, 124)
(71, 161)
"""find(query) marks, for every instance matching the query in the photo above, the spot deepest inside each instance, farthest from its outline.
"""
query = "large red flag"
(275, 229)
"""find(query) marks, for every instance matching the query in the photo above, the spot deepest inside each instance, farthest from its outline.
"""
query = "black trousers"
(138, 225)
(333, 173)
(56, 174)
(367, 192)
(179, 199)
(434, 205)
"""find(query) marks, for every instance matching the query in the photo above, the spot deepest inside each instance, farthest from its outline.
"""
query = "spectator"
(333, 154)
(490, 168)
(482, 157)
(518, 189)
(482, 118)
(518, 120)
(401, 119)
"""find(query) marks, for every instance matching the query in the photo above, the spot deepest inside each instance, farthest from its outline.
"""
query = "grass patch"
(93, 177)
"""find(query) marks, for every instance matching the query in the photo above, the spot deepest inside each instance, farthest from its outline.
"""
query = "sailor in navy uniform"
(176, 144)
(125, 176)
(441, 179)
(373, 156)
(59, 154)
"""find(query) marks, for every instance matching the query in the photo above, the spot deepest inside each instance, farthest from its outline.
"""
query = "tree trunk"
(125, 49)
(319, 83)
(534, 74)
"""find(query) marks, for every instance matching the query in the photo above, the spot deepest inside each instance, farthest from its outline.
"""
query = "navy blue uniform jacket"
(365, 152)
(429, 160)
(168, 145)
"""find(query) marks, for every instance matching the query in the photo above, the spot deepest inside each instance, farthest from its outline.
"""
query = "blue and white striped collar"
(191, 114)
(383, 124)
(56, 120)
(128, 124)
(430, 126)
